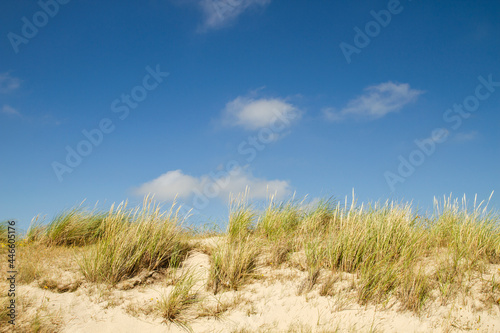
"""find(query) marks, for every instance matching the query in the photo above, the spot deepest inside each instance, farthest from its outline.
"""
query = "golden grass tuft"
(232, 264)
(132, 241)
(172, 305)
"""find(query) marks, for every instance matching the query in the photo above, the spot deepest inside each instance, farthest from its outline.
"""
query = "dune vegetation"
(382, 256)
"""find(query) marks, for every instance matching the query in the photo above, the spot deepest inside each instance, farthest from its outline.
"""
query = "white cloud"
(376, 102)
(8, 83)
(169, 185)
(331, 114)
(254, 114)
(176, 183)
(219, 13)
(7, 109)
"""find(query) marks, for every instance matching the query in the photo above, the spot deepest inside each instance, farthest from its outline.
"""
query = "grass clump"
(363, 237)
(279, 220)
(414, 290)
(314, 252)
(29, 271)
(75, 227)
(277, 228)
(241, 219)
(232, 264)
(180, 298)
(31, 263)
(328, 286)
(320, 219)
(234, 260)
(148, 240)
(4, 232)
(471, 234)
(215, 308)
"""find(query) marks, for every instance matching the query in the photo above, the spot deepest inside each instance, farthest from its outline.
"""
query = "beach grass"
(392, 253)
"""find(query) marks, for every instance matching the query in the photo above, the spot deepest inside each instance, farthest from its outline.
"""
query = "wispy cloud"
(8, 83)
(465, 136)
(176, 183)
(254, 114)
(331, 114)
(443, 134)
(220, 13)
(49, 119)
(376, 102)
(7, 109)
(42, 120)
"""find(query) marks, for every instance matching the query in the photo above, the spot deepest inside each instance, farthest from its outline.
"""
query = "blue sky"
(202, 98)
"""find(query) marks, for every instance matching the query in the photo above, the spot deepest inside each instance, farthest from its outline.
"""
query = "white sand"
(267, 304)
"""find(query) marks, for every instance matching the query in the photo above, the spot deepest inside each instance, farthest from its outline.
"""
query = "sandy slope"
(269, 303)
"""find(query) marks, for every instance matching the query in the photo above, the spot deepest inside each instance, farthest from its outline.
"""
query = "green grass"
(241, 219)
(132, 241)
(472, 234)
(279, 220)
(385, 244)
(76, 227)
(232, 264)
